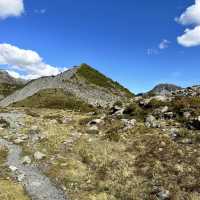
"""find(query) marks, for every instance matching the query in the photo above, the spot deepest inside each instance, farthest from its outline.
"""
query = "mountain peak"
(164, 89)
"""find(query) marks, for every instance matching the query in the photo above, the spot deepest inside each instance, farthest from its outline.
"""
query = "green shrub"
(134, 110)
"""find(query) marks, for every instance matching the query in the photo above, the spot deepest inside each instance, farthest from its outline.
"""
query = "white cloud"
(164, 44)
(28, 62)
(191, 15)
(13, 73)
(11, 8)
(190, 37)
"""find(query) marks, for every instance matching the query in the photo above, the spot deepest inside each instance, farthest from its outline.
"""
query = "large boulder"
(151, 122)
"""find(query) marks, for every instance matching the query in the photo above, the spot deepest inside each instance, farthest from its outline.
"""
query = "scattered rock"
(18, 141)
(67, 120)
(95, 122)
(164, 195)
(117, 110)
(151, 122)
(169, 115)
(26, 160)
(39, 156)
(174, 132)
(21, 177)
(129, 124)
(186, 115)
(186, 141)
(13, 168)
(93, 130)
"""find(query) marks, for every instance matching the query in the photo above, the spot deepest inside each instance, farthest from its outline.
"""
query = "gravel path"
(15, 119)
(37, 185)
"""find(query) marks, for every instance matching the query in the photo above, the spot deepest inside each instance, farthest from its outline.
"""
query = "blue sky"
(119, 38)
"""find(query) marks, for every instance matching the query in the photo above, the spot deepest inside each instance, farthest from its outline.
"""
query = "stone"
(164, 109)
(186, 141)
(129, 123)
(174, 132)
(93, 130)
(66, 120)
(21, 177)
(39, 156)
(164, 195)
(169, 115)
(95, 121)
(13, 168)
(116, 110)
(26, 160)
(186, 115)
(151, 122)
(18, 141)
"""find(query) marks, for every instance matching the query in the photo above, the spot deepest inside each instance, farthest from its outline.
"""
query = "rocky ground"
(145, 149)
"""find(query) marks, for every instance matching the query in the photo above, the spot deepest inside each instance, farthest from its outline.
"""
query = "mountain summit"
(164, 89)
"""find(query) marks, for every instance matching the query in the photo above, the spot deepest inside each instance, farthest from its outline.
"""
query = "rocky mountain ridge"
(83, 81)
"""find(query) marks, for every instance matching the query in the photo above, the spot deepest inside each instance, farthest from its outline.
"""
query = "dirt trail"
(37, 185)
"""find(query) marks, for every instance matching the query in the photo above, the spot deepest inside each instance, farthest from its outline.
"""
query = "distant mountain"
(164, 89)
(82, 82)
(9, 84)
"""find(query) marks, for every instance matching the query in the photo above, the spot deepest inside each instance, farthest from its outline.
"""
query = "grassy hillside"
(7, 89)
(54, 98)
(96, 78)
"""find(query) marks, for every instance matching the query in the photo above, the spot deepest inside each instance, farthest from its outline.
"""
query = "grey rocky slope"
(84, 82)
(8, 84)
(7, 79)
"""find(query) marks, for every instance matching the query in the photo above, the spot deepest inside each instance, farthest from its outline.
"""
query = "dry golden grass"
(11, 191)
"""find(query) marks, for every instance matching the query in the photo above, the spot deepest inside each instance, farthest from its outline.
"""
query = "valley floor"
(96, 157)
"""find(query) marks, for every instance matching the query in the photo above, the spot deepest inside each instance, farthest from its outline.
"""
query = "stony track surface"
(37, 185)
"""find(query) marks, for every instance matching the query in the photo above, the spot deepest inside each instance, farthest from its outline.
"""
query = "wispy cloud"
(191, 16)
(164, 44)
(11, 8)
